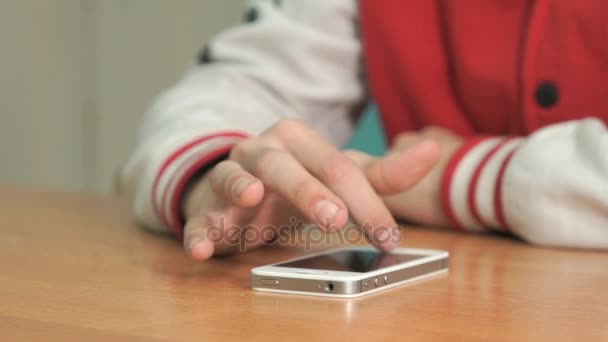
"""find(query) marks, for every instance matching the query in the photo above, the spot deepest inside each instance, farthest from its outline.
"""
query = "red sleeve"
(178, 169)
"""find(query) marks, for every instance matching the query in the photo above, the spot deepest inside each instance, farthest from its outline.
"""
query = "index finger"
(345, 179)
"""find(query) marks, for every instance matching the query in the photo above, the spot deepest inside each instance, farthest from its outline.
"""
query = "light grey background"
(76, 76)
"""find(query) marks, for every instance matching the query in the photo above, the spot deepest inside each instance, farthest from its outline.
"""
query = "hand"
(422, 203)
(291, 171)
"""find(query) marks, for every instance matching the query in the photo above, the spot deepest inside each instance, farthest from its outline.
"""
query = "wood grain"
(75, 267)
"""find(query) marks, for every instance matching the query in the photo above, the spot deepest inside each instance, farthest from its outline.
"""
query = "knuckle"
(435, 132)
(352, 154)
(217, 172)
(222, 166)
(358, 157)
(241, 149)
(406, 138)
(285, 128)
(267, 161)
(226, 173)
(336, 167)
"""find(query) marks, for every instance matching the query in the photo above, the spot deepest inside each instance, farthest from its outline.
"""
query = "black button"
(251, 15)
(546, 95)
(204, 57)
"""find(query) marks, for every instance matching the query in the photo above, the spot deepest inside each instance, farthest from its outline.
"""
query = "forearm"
(300, 60)
(550, 188)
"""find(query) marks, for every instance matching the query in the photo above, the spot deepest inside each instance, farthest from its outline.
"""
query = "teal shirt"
(369, 136)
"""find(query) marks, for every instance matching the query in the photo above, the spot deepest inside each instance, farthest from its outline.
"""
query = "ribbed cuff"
(471, 189)
(179, 167)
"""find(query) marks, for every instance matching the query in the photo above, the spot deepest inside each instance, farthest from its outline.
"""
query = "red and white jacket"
(526, 81)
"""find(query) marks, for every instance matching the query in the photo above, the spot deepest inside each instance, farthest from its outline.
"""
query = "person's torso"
(486, 66)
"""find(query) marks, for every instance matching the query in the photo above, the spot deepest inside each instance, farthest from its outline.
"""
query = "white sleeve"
(549, 189)
(291, 58)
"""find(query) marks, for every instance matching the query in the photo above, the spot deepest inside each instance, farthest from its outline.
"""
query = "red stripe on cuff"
(177, 221)
(448, 177)
(498, 207)
(176, 154)
(475, 181)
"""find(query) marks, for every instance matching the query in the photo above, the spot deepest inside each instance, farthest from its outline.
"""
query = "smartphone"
(349, 272)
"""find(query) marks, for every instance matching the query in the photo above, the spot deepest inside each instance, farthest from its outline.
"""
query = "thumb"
(402, 169)
(361, 159)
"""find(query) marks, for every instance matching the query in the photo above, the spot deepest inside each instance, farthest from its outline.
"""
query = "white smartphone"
(349, 272)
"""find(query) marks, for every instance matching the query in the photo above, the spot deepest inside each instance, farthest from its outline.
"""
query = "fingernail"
(388, 239)
(240, 186)
(200, 248)
(326, 212)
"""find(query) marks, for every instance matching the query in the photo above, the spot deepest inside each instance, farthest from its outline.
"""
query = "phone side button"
(270, 282)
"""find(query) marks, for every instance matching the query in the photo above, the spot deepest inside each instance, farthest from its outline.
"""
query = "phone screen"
(351, 261)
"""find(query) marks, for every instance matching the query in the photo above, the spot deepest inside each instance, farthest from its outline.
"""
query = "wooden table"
(74, 267)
